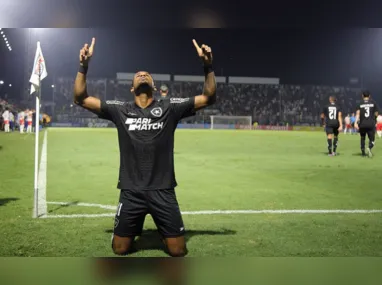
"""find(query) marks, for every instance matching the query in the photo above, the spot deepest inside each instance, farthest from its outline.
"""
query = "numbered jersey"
(367, 110)
(331, 112)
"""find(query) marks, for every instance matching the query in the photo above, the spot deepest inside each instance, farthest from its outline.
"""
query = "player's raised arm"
(209, 91)
(81, 96)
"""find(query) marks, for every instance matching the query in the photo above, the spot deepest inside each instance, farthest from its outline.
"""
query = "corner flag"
(39, 69)
(38, 73)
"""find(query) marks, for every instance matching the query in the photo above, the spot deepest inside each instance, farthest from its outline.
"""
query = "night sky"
(301, 42)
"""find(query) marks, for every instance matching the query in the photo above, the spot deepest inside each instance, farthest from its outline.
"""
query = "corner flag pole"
(37, 131)
(38, 74)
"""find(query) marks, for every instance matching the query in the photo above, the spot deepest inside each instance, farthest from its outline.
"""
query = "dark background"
(300, 42)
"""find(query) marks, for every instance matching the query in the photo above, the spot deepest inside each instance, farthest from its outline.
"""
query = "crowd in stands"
(19, 118)
(267, 104)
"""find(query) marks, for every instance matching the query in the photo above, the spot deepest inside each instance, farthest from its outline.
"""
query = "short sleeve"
(183, 107)
(110, 110)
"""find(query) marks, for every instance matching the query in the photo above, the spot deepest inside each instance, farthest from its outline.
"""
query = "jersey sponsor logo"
(179, 100)
(157, 112)
(142, 124)
(114, 102)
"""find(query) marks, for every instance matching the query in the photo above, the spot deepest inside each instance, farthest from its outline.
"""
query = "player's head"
(143, 83)
(366, 95)
(332, 99)
(6, 109)
(163, 90)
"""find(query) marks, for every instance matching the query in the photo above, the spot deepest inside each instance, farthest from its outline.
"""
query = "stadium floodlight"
(5, 39)
(7, 44)
(10, 85)
(52, 86)
(231, 122)
(1, 82)
(2, 32)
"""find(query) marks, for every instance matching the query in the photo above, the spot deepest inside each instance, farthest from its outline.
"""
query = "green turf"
(216, 170)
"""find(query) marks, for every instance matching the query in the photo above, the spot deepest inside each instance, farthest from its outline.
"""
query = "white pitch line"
(42, 207)
(230, 212)
(80, 216)
(107, 207)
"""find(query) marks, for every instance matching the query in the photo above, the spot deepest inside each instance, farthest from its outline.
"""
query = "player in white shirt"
(379, 126)
(348, 127)
(21, 121)
(29, 120)
(6, 117)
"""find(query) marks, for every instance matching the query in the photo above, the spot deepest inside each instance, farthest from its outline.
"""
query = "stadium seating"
(267, 104)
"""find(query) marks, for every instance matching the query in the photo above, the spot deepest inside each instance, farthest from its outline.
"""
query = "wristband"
(208, 69)
(83, 69)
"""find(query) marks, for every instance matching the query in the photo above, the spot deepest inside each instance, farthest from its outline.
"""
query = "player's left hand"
(340, 129)
(204, 52)
(356, 127)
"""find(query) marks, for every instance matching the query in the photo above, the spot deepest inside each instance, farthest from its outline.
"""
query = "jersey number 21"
(332, 113)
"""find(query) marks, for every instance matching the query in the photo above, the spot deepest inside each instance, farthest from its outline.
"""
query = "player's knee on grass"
(176, 247)
(122, 245)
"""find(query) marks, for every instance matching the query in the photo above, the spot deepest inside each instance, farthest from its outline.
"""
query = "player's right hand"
(356, 127)
(86, 53)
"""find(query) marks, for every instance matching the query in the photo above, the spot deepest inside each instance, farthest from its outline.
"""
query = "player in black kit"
(146, 129)
(367, 112)
(332, 120)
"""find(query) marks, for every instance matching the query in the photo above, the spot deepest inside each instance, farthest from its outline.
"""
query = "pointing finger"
(195, 44)
(93, 43)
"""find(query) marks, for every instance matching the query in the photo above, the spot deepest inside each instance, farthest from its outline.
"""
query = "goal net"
(231, 122)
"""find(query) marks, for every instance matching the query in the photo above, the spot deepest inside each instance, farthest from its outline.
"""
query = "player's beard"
(144, 88)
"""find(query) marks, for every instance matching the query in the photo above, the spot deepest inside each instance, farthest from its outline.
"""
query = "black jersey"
(331, 112)
(146, 140)
(367, 118)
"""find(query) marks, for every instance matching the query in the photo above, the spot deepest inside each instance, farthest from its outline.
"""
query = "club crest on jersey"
(157, 112)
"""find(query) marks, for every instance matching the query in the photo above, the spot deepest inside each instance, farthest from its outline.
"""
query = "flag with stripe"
(39, 71)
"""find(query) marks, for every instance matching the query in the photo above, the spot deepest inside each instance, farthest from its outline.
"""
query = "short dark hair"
(332, 97)
(366, 93)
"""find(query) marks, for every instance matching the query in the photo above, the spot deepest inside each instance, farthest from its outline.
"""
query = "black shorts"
(369, 131)
(162, 205)
(331, 130)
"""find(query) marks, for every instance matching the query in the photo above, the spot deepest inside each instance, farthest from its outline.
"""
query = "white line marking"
(80, 216)
(231, 212)
(42, 207)
(107, 207)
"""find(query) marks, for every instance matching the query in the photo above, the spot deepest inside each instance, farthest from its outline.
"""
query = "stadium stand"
(267, 104)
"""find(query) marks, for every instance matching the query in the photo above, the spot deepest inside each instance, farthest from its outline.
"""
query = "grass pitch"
(215, 170)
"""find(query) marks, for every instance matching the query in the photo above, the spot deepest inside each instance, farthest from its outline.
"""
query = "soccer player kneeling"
(146, 129)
